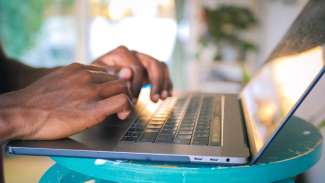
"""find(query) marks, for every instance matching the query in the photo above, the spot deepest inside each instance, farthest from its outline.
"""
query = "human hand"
(139, 69)
(63, 103)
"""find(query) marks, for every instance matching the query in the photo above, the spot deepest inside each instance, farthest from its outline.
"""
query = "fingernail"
(123, 115)
(155, 97)
(164, 94)
(124, 73)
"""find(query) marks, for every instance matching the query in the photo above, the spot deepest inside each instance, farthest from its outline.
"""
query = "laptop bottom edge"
(172, 158)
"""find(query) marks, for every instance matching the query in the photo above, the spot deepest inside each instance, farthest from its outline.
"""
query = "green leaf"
(20, 22)
(321, 125)
(227, 23)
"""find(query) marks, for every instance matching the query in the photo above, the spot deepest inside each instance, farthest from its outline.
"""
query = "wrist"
(18, 120)
(8, 126)
(12, 120)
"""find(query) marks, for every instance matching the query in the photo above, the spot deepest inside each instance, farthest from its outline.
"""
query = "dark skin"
(64, 102)
(75, 97)
(54, 103)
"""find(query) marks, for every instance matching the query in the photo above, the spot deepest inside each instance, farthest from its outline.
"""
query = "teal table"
(296, 149)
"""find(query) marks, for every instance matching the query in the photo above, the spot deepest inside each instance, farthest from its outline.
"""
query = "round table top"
(296, 148)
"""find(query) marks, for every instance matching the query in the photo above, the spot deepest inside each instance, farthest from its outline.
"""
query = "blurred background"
(209, 45)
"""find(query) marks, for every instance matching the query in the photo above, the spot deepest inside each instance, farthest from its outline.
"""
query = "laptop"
(227, 129)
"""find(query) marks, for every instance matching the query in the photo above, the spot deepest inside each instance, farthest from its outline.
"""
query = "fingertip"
(123, 115)
(125, 73)
(170, 93)
(155, 97)
(164, 94)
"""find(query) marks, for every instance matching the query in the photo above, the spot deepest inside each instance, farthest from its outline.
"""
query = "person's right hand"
(63, 103)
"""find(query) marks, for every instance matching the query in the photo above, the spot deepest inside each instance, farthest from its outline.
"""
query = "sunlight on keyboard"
(144, 102)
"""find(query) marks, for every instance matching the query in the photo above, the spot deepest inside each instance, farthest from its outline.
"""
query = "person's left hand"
(139, 69)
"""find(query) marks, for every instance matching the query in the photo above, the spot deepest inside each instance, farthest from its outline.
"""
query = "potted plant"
(225, 26)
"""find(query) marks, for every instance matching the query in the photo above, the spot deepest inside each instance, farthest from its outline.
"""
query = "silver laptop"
(209, 128)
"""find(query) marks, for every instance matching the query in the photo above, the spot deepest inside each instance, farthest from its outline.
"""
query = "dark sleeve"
(15, 75)
(2, 89)
(2, 68)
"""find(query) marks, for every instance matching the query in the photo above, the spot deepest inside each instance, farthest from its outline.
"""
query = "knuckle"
(86, 75)
(121, 49)
(163, 65)
(76, 66)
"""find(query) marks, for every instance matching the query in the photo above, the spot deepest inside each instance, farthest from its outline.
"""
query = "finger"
(123, 115)
(168, 83)
(101, 77)
(125, 73)
(155, 74)
(122, 72)
(114, 70)
(138, 71)
(93, 67)
(112, 88)
(122, 56)
(78, 66)
(170, 91)
(112, 105)
(138, 78)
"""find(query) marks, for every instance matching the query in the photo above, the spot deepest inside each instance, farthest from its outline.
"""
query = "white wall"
(275, 18)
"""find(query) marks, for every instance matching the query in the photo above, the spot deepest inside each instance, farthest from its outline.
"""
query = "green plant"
(225, 26)
(322, 124)
(20, 21)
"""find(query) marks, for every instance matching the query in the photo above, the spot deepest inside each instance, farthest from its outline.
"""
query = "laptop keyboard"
(192, 120)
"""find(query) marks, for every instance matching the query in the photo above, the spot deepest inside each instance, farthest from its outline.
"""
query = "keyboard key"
(186, 128)
(149, 136)
(169, 128)
(184, 137)
(151, 130)
(165, 138)
(185, 132)
(182, 141)
(156, 122)
(203, 126)
(170, 132)
(203, 141)
(154, 126)
(200, 131)
(199, 135)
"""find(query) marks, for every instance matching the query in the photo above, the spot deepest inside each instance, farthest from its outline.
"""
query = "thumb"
(118, 104)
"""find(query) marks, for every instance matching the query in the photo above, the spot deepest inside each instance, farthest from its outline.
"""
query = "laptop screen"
(274, 92)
